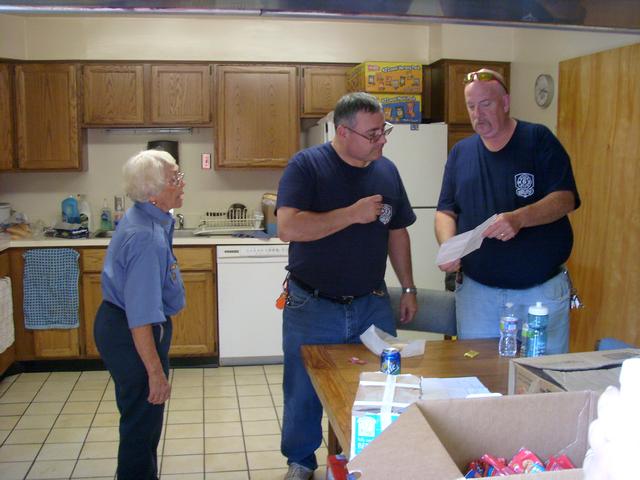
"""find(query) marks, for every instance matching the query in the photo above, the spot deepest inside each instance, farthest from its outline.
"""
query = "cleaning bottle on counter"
(106, 217)
(84, 209)
(118, 209)
(70, 212)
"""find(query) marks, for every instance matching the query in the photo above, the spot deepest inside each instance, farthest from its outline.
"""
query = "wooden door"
(455, 133)
(113, 94)
(47, 117)
(92, 298)
(599, 125)
(194, 329)
(456, 107)
(180, 94)
(257, 122)
(59, 343)
(322, 88)
(6, 118)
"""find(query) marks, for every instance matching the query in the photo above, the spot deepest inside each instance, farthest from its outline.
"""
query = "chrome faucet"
(180, 218)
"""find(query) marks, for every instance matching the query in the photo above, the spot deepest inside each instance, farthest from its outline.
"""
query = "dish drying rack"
(232, 221)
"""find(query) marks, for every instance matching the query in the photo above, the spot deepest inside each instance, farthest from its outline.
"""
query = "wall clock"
(543, 90)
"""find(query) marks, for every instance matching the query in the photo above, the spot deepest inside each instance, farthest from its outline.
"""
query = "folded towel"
(7, 334)
(252, 234)
(51, 288)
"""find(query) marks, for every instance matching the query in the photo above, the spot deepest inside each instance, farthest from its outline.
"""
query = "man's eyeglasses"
(484, 77)
(374, 136)
(177, 179)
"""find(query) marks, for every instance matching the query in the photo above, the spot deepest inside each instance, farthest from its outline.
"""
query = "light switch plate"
(206, 161)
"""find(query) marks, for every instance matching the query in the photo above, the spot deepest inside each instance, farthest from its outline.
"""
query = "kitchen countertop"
(103, 242)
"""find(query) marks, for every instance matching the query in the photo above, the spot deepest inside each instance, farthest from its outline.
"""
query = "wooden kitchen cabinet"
(180, 94)
(257, 119)
(9, 355)
(444, 88)
(48, 129)
(37, 344)
(194, 329)
(322, 88)
(113, 94)
(146, 95)
(6, 117)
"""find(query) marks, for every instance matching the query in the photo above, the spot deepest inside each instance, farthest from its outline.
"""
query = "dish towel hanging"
(7, 334)
(51, 288)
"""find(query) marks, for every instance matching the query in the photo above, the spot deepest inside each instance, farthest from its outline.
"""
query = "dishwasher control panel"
(253, 251)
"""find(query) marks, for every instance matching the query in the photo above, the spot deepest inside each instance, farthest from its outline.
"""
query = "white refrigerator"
(420, 153)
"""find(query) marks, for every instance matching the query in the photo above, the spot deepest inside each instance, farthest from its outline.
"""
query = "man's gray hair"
(350, 104)
(144, 174)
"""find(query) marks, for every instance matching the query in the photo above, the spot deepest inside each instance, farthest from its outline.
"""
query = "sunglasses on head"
(484, 77)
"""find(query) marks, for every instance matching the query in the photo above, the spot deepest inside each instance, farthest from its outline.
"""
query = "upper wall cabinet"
(6, 117)
(322, 88)
(49, 136)
(137, 95)
(113, 94)
(445, 87)
(257, 116)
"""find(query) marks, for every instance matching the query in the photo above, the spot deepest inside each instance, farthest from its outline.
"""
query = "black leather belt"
(343, 300)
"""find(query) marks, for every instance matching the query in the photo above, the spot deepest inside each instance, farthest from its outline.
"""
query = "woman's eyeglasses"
(484, 77)
(374, 136)
(177, 179)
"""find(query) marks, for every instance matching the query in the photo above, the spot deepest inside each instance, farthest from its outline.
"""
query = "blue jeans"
(309, 320)
(478, 309)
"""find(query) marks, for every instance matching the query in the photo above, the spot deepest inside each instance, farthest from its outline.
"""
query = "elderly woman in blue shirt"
(141, 289)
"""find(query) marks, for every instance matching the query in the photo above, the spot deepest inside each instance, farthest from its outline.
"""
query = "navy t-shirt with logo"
(353, 260)
(478, 183)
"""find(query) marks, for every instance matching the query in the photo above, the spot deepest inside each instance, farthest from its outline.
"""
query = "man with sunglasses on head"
(343, 208)
(521, 172)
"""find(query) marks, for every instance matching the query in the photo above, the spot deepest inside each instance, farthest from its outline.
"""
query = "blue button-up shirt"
(140, 273)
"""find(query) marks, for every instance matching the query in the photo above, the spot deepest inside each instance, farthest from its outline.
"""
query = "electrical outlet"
(205, 159)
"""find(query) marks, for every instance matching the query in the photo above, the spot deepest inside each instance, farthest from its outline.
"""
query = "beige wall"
(531, 51)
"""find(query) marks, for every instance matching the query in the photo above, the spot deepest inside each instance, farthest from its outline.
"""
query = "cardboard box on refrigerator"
(568, 372)
(438, 438)
(385, 77)
(400, 108)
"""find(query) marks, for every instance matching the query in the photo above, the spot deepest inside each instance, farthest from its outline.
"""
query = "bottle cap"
(538, 309)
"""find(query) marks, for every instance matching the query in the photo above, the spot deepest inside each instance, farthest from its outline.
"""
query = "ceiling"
(606, 15)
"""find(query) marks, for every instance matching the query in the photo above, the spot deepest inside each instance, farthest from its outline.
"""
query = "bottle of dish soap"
(70, 212)
(106, 217)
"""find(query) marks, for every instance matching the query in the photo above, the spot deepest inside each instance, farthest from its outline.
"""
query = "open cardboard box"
(438, 438)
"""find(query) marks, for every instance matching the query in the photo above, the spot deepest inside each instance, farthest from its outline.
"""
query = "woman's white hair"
(144, 174)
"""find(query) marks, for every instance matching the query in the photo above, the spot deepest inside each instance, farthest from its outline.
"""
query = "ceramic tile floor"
(220, 423)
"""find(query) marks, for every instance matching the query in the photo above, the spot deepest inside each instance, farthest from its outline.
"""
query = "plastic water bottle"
(508, 345)
(534, 331)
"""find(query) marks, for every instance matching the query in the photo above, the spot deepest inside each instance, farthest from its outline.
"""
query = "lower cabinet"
(9, 355)
(194, 328)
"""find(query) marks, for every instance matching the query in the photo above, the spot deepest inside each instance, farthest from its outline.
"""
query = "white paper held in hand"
(460, 245)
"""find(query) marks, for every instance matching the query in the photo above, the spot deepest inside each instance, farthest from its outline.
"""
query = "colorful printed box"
(385, 77)
(401, 108)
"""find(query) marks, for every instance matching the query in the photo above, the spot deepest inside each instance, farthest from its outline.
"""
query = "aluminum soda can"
(390, 361)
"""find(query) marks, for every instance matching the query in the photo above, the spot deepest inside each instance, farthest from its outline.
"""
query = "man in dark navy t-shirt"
(520, 172)
(343, 208)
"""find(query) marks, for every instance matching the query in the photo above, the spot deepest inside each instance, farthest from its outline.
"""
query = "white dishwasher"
(249, 282)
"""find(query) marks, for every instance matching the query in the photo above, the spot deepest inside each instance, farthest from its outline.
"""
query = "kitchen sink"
(184, 233)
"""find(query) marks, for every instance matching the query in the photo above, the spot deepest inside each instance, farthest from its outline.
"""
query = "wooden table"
(335, 377)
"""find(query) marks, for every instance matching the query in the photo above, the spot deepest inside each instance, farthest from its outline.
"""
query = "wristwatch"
(413, 290)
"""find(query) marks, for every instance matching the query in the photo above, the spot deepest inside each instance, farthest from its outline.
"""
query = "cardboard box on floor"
(438, 438)
(568, 372)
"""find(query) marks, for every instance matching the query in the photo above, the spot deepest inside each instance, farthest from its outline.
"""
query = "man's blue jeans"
(478, 309)
(309, 320)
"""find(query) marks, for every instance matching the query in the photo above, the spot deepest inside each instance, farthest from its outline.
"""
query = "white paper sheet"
(460, 387)
(376, 340)
(460, 245)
